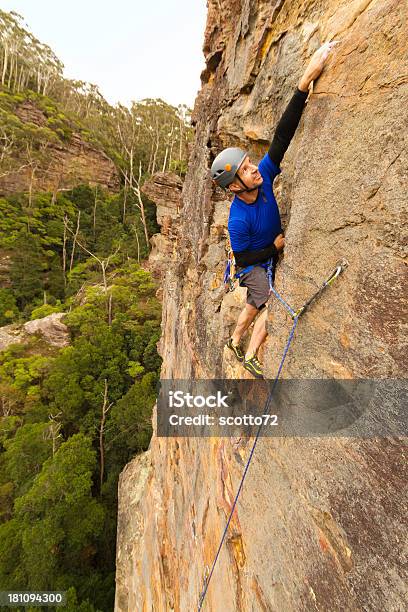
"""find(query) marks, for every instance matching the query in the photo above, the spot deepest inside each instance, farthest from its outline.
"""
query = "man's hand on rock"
(315, 66)
(279, 242)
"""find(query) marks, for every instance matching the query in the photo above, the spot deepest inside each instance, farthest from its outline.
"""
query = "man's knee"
(251, 310)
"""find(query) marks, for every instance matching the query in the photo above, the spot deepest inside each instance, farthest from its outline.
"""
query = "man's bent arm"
(287, 125)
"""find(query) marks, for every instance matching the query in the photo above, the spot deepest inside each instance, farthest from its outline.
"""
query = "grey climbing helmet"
(226, 164)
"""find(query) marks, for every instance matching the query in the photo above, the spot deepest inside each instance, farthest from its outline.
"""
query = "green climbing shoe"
(236, 350)
(252, 365)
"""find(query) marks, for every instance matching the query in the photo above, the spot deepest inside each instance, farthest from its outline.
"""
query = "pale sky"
(132, 49)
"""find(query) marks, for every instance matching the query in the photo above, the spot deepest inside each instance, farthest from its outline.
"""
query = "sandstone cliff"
(66, 164)
(320, 522)
(51, 328)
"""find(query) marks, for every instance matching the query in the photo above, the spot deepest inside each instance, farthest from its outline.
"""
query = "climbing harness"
(229, 274)
(295, 314)
(231, 277)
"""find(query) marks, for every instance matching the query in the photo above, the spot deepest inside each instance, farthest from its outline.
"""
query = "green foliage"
(57, 524)
(45, 310)
(11, 221)
(12, 574)
(57, 529)
(25, 371)
(179, 166)
(26, 269)
(73, 605)
(8, 427)
(35, 237)
(59, 518)
(8, 307)
(135, 369)
(25, 453)
(129, 424)
(151, 358)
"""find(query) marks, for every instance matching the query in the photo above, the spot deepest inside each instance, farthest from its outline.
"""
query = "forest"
(71, 417)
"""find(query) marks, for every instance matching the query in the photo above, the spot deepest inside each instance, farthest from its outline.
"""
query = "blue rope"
(280, 298)
(276, 294)
(267, 407)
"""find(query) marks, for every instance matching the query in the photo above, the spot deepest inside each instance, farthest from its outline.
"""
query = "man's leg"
(259, 334)
(245, 319)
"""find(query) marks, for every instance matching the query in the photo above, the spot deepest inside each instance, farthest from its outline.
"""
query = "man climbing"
(254, 223)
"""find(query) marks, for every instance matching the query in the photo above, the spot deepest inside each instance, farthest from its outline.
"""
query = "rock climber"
(254, 223)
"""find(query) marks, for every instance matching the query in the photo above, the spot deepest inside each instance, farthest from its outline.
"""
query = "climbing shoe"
(236, 350)
(252, 365)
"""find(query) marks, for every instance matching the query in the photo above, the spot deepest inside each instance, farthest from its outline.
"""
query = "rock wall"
(164, 189)
(51, 328)
(321, 523)
(67, 164)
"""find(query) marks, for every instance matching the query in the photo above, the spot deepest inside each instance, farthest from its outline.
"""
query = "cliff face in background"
(66, 164)
(164, 189)
(320, 522)
(51, 328)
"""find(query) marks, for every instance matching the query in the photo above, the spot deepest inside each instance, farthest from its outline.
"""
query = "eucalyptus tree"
(25, 61)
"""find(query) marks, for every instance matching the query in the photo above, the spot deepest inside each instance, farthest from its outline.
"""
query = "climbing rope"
(340, 267)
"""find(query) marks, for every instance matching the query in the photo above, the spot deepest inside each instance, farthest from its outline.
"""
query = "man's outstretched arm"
(290, 119)
(287, 126)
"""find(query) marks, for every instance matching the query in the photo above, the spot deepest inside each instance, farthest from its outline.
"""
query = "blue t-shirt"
(255, 226)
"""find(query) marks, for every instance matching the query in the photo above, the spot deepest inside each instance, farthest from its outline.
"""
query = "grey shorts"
(256, 282)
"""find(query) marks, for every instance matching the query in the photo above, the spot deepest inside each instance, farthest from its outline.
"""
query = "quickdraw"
(338, 269)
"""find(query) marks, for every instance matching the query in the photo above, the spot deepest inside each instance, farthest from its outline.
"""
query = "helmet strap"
(246, 188)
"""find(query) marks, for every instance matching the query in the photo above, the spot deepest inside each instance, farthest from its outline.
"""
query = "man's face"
(249, 173)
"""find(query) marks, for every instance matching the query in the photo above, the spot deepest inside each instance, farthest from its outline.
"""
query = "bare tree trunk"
(110, 310)
(105, 409)
(141, 205)
(15, 72)
(157, 146)
(10, 72)
(171, 138)
(103, 266)
(3, 76)
(165, 160)
(46, 82)
(19, 78)
(131, 166)
(104, 263)
(94, 212)
(30, 188)
(75, 240)
(6, 402)
(138, 244)
(54, 431)
(171, 150)
(39, 76)
(150, 165)
(125, 190)
(64, 250)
